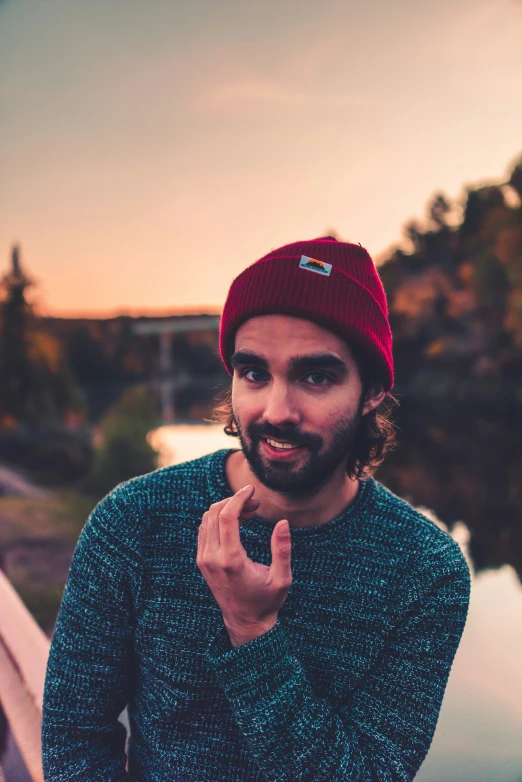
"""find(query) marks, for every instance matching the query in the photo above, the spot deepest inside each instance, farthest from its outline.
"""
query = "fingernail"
(247, 488)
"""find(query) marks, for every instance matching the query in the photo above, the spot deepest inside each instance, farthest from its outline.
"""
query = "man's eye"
(255, 375)
(319, 378)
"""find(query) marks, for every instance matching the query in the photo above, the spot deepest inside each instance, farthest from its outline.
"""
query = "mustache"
(286, 434)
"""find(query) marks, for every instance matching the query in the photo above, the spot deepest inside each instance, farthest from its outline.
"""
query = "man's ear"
(373, 398)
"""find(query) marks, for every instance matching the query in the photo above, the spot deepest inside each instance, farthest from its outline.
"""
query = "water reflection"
(479, 733)
(458, 468)
(182, 442)
(466, 465)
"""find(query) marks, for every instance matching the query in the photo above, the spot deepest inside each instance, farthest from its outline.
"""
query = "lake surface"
(479, 733)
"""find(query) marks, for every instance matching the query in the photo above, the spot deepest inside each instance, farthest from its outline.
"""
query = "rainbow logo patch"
(313, 265)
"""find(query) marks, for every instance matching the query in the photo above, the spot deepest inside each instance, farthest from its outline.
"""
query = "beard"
(314, 469)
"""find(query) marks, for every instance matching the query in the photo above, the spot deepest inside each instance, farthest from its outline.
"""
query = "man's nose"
(280, 408)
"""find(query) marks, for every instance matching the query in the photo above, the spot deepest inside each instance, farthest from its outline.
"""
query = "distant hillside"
(105, 356)
(455, 300)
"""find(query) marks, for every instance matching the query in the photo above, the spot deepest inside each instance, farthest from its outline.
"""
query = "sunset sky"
(151, 150)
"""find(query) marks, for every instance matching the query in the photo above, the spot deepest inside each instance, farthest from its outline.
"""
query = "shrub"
(124, 451)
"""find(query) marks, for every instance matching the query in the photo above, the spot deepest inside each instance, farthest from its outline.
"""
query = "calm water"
(479, 733)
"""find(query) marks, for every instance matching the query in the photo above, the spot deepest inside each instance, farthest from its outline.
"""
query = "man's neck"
(331, 500)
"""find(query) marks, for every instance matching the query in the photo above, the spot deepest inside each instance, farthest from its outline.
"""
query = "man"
(269, 613)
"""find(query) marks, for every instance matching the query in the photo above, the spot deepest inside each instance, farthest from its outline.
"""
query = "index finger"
(229, 518)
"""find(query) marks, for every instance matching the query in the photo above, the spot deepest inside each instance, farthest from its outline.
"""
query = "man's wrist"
(240, 635)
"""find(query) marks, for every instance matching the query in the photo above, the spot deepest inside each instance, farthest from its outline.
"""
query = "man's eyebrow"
(242, 357)
(297, 363)
(322, 360)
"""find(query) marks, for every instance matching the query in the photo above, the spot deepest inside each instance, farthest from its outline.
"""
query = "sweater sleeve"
(89, 666)
(382, 730)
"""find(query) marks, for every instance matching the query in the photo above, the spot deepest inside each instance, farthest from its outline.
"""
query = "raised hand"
(249, 594)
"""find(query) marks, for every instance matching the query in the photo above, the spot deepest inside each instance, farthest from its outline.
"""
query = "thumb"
(281, 546)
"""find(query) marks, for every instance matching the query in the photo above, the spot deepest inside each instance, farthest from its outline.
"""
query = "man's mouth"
(280, 444)
(280, 449)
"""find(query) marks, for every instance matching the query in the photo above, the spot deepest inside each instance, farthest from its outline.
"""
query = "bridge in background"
(169, 381)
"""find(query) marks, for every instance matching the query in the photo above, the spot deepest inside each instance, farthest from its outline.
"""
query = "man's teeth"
(284, 446)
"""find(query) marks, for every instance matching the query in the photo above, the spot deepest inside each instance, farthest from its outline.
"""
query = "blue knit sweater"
(347, 686)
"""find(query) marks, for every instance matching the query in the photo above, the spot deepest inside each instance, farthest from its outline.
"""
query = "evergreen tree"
(35, 386)
(15, 317)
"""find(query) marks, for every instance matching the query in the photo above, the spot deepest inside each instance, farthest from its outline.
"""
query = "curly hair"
(375, 437)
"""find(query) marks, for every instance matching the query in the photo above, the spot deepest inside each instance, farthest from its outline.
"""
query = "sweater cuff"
(256, 667)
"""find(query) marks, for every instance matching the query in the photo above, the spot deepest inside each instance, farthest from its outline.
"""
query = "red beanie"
(334, 284)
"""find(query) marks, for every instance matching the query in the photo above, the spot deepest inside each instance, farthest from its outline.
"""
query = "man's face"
(297, 402)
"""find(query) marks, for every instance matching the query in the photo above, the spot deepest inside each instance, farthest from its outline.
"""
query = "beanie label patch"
(313, 265)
